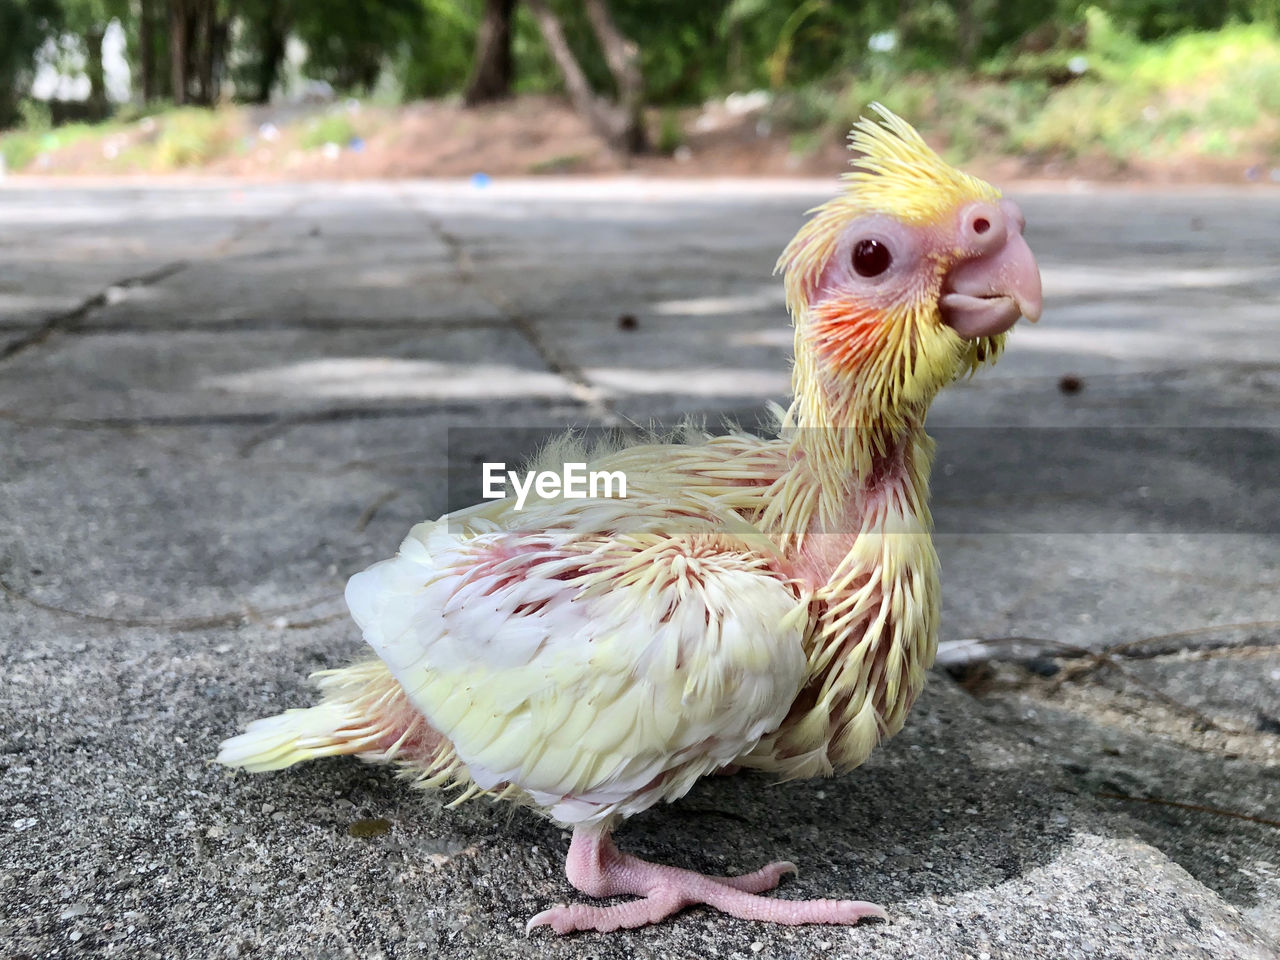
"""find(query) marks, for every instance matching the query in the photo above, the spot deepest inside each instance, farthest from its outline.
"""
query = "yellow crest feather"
(898, 174)
(895, 173)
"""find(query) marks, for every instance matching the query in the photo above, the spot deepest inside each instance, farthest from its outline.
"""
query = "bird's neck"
(855, 459)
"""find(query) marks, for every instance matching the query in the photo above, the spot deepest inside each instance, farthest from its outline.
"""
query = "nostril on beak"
(982, 227)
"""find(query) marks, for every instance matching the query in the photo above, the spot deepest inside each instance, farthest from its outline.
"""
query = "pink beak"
(986, 293)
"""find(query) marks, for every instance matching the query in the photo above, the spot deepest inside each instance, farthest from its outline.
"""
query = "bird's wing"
(599, 674)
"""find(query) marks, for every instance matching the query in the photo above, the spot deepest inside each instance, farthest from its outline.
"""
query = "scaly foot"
(597, 868)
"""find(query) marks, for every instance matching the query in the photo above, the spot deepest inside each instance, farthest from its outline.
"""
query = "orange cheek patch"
(845, 335)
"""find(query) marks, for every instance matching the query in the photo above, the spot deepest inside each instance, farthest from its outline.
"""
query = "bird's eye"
(871, 258)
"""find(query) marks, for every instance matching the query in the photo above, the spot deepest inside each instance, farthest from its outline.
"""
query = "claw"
(869, 911)
(543, 919)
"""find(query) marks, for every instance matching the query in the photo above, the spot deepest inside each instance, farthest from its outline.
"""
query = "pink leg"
(598, 869)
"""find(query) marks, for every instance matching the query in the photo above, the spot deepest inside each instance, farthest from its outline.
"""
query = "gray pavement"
(217, 401)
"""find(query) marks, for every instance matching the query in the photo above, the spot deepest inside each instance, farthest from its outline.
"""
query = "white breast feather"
(600, 675)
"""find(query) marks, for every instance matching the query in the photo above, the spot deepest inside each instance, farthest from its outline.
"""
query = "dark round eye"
(871, 258)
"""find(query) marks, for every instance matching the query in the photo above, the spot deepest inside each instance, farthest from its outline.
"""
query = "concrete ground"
(219, 401)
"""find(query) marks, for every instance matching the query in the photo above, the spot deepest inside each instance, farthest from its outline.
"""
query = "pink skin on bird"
(976, 267)
(980, 272)
(997, 281)
(989, 279)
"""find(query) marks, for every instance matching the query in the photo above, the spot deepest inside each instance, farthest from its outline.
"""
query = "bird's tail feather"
(364, 711)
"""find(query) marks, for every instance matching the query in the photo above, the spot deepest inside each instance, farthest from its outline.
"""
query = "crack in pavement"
(598, 405)
(67, 320)
(580, 387)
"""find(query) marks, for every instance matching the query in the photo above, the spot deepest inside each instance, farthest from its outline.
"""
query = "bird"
(768, 602)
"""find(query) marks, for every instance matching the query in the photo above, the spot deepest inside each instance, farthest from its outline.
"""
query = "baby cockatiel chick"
(770, 603)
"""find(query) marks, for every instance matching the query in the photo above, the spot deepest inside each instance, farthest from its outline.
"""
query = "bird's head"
(908, 278)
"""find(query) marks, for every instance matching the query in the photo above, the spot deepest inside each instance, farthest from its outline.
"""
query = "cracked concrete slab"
(61, 247)
(192, 469)
(272, 372)
(328, 288)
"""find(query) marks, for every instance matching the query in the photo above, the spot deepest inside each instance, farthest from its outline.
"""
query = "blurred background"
(1149, 89)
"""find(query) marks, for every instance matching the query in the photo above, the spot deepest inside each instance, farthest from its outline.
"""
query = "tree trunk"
(273, 49)
(218, 56)
(494, 69)
(623, 57)
(94, 70)
(575, 81)
(734, 59)
(204, 50)
(147, 50)
(609, 120)
(179, 49)
(274, 32)
(970, 30)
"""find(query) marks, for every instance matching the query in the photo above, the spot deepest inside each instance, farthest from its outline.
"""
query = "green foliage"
(564, 163)
(681, 53)
(1215, 92)
(536, 72)
(332, 127)
(192, 136)
(670, 131)
(1197, 94)
(1052, 78)
(34, 116)
(435, 58)
(794, 42)
(20, 148)
(348, 43)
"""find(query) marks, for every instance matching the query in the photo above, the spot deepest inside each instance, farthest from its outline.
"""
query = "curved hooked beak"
(985, 295)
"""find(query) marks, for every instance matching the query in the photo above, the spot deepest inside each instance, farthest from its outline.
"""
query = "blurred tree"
(348, 44)
(179, 45)
(620, 122)
(793, 42)
(145, 43)
(438, 53)
(623, 57)
(262, 43)
(87, 21)
(494, 69)
(610, 56)
(198, 34)
(24, 27)
(684, 55)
